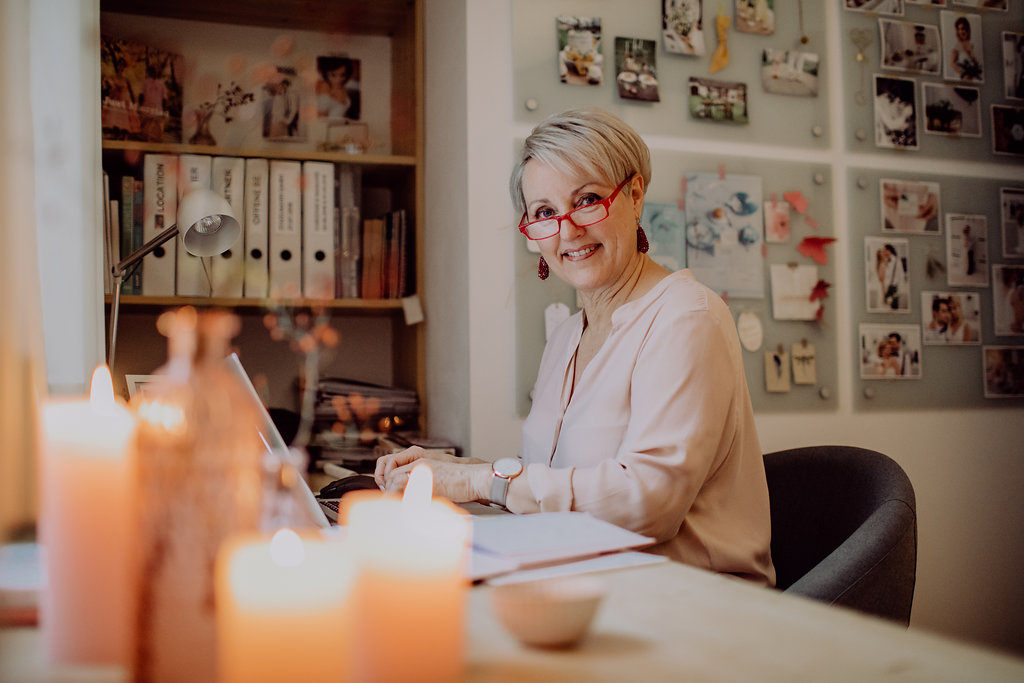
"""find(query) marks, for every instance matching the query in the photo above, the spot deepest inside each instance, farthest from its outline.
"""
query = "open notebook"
(320, 512)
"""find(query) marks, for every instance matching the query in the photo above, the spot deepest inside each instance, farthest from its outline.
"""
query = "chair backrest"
(844, 528)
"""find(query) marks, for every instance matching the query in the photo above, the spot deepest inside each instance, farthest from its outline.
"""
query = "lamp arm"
(144, 251)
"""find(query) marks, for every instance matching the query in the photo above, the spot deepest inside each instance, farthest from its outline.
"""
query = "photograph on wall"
(777, 224)
(789, 72)
(928, 3)
(895, 112)
(890, 351)
(966, 250)
(281, 120)
(911, 47)
(718, 100)
(636, 74)
(1007, 130)
(140, 92)
(1013, 65)
(886, 283)
(682, 26)
(910, 206)
(792, 286)
(580, 50)
(804, 365)
(724, 233)
(891, 7)
(1008, 300)
(1003, 369)
(953, 110)
(951, 318)
(337, 88)
(1011, 203)
(776, 371)
(755, 16)
(997, 5)
(963, 55)
(665, 226)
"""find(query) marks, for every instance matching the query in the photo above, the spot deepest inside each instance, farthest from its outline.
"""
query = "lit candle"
(86, 526)
(411, 592)
(283, 609)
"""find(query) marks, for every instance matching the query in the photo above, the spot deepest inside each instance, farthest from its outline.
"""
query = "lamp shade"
(206, 223)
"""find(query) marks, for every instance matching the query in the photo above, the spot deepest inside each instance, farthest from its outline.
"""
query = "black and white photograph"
(1013, 65)
(906, 46)
(910, 206)
(951, 318)
(890, 351)
(635, 69)
(789, 72)
(1011, 204)
(886, 279)
(963, 53)
(281, 111)
(891, 7)
(953, 110)
(966, 250)
(1008, 300)
(718, 100)
(755, 16)
(895, 112)
(580, 50)
(1003, 369)
(1007, 130)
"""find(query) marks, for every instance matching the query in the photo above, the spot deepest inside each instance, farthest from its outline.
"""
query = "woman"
(960, 331)
(966, 65)
(640, 414)
(333, 99)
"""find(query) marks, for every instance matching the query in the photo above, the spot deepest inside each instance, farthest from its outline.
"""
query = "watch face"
(508, 467)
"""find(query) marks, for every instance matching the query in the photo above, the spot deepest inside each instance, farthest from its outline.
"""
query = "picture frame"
(911, 47)
(1003, 371)
(1008, 300)
(952, 110)
(1007, 130)
(1013, 65)
(963, 50)
(950, 318)
(966, 250)
(895, 101)
(719, 101)
(1011, 205)
(886, 275)
(137, 384)
(890, 7)
(910, 206)
(789, 72)
(890, 351)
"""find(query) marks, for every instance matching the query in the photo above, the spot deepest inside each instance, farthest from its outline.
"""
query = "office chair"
(844, 528)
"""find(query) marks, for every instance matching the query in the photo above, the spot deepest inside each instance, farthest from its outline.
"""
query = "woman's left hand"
(457, 479)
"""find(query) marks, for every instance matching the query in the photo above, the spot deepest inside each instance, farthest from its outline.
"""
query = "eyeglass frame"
(606, 203)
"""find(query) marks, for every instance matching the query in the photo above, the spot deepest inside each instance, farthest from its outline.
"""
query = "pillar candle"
(284, 609)
(411, 590)
(86, 523)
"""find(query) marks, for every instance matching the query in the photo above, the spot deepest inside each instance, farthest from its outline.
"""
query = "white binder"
(318, 230)
(193, 171)
(227, 269)
(256, 281)
(285, 229)
(160, 175)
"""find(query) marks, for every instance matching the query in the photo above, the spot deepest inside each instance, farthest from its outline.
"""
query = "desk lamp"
(210, 228)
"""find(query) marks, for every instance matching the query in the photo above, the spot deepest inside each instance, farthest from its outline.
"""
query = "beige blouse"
(659, 434)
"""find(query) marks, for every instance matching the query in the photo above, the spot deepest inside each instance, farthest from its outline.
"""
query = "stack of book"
(355, 412)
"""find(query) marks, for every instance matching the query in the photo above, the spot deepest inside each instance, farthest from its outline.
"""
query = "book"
(140, 91)
(227, 269)
(373, 258)
(318, 230)
(285, 228)
(126, 227)
(137, 241)
(255, 225)
(160, 211)
(193, 172)
(108, 258)
(349, 251)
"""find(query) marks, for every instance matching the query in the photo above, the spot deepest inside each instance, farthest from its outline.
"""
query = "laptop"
(322, 513)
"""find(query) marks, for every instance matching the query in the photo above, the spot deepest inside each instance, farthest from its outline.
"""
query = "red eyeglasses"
(581, 217)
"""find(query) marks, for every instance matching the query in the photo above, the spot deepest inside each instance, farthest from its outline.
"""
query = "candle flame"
(286, 549)
(419, 488)
(101, 391)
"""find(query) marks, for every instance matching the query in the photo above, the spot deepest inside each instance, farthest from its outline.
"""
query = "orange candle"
(411, 591)
(86, 523)
(283, 609)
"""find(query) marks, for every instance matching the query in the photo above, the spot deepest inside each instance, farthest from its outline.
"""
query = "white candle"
(283, 609)
(411, 592)
(86, 526)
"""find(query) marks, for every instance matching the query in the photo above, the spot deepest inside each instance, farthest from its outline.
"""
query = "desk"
(669, 622)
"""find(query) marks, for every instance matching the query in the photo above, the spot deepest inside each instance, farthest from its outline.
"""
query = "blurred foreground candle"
(86, 520)
(411, 592)
(283, 609)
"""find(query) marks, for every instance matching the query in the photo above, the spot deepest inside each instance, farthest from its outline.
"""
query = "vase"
(203, 136)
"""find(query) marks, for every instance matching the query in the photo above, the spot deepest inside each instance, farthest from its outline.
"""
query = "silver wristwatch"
(504, 470)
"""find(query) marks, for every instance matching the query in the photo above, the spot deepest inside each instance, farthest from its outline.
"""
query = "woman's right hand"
(386, 464)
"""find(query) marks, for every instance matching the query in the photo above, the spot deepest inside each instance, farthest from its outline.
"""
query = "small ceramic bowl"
(552, 612)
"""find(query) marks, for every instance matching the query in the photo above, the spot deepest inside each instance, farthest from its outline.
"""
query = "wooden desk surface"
(669, 622)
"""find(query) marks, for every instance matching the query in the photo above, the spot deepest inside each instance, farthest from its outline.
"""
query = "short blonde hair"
(583, 142)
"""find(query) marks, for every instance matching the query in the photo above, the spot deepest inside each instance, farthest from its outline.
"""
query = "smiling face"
(592, 258)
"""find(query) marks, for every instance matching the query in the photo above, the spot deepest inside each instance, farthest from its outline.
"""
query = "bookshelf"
(387, 35)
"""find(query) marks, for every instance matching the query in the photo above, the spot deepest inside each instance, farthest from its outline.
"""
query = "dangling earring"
(642, 245)
(542, 269)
